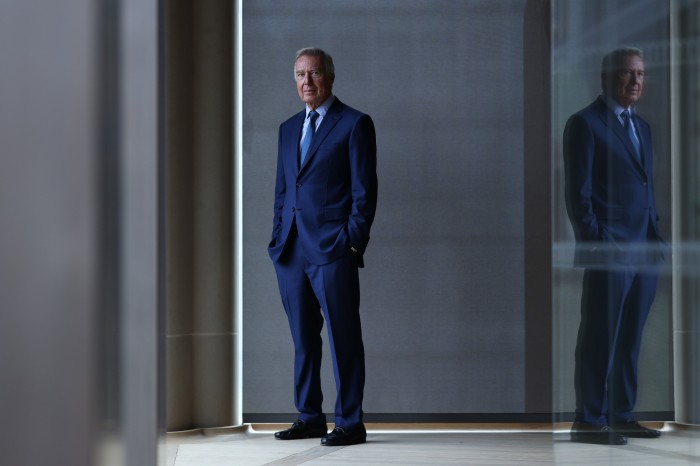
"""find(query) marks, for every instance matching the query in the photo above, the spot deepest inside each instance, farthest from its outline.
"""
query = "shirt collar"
(323, 108)
(614, 106)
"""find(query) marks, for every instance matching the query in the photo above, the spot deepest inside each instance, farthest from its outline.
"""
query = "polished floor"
(434, 446)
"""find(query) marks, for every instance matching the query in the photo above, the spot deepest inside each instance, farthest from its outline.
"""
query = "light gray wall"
(443, 297)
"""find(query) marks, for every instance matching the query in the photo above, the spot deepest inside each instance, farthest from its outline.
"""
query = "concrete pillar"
(140, 231)
(199, 179)
(49, 258)
(79, 191)
(685, 89)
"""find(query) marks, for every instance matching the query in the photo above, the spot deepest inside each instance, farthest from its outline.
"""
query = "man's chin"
(628, 102)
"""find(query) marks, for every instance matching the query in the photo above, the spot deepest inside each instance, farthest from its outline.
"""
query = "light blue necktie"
(310, 130)
(631, 132)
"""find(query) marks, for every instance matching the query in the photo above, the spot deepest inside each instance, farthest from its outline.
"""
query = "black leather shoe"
(601, 435)
(341, 437)
(301, 429)
(636, 430)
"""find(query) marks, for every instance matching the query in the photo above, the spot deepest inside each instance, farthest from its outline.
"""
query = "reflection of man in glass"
(610, 201)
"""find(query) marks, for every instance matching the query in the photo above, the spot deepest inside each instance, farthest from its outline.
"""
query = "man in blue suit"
(325, 200)
(610, 201)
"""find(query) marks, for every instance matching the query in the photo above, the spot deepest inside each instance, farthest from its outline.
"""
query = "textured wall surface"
(443, 291)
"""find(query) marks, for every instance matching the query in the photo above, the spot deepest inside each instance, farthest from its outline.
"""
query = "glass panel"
(607, 190)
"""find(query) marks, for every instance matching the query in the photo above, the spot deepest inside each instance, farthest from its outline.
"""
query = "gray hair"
(326, 59)
(613, 60)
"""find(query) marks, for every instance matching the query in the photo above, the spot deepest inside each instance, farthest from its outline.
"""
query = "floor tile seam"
(177, 450)
(651, 451)
(304, 456)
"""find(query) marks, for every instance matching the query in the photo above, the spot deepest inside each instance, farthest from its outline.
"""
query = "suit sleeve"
(280, 191)
(363, 179)
(579, 156)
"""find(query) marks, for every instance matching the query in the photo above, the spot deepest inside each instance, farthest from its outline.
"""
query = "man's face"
(313, 84)
(626, 84)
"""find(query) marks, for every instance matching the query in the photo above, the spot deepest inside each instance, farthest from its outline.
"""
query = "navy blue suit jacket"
(609, 191)
(332, 198)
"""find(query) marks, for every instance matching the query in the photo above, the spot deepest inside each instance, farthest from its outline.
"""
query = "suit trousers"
(614, 308)
(310, 293)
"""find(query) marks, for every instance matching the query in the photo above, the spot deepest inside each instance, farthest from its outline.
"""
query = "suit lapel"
(644, 142)
(332, 117)
(294, 150)
(613, 123)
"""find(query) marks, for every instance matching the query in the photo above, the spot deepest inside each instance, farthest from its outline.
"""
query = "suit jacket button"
(298, 185)
(644, 184)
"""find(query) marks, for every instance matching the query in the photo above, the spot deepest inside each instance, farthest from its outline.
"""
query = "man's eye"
(629, 73)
